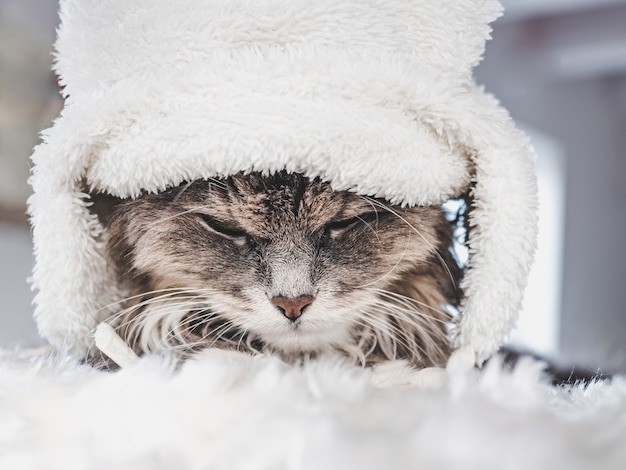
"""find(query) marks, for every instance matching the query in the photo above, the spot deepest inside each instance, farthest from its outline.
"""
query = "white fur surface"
(373, 96)
(231, 411)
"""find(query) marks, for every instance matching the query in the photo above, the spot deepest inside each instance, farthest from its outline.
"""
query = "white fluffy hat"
(374, 96)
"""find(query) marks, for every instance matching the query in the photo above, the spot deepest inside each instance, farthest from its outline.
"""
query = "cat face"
(281, 263)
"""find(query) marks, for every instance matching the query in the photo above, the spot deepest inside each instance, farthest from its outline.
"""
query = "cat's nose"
(292, 308)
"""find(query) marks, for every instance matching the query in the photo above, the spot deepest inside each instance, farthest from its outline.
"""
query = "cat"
(281, 263)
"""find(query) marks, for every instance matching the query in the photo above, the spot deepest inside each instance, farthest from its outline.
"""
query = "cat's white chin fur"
(296, 339)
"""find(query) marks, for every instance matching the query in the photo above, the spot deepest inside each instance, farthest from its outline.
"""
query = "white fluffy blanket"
(229, 411)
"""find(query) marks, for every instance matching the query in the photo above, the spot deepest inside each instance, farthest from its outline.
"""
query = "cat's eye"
(337, 227)
(236, 234)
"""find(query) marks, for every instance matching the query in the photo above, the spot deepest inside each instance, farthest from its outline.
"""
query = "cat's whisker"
(417, 313)
(180, 331)
(170, 291)
(161, 322)
(151, 317)
(390, 316)
(233, 331)
(408, 337)
(393, 268)
(362, 343)
(389, 342)
(386, 339)
(242, 333)
(153, 301)
(403, 316)
(363, 346)
(380, 322)
(426, 330)
(410, 303)
(142, 319)
(384, 342)
(226, 327)
(419, 233)
(171, 217)
(207, 322)
(369, 201)
(195, 209)
(250, 339)
(369, 225)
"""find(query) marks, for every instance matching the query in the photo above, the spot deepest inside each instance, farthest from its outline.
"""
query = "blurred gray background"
(559, 66)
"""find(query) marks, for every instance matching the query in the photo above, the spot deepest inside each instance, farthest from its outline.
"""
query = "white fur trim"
(229, 411)
(373, 96)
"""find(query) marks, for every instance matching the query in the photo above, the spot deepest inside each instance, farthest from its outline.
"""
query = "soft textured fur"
(214, 263)
(223, 410)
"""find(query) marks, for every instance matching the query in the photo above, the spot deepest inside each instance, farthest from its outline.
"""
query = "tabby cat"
(283, 263)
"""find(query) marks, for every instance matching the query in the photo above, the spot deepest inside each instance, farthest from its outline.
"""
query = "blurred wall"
(17, 327)
(28, 96)
(28, 103)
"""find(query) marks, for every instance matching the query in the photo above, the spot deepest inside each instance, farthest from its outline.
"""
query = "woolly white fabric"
(230, 411)
(374, 96)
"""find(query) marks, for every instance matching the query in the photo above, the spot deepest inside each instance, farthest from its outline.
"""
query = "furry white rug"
(230, 411)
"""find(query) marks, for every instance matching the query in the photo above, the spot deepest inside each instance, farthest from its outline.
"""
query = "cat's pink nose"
(292, 308)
